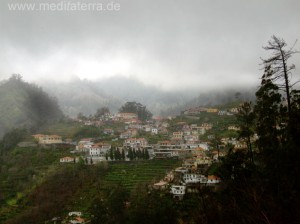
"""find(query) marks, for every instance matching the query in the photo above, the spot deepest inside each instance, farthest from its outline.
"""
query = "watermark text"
(65, 6)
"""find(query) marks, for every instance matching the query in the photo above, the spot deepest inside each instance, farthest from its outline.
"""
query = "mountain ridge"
(87, 96)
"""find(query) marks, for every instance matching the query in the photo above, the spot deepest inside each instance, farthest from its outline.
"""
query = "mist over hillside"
(87, 96)
(25, 105)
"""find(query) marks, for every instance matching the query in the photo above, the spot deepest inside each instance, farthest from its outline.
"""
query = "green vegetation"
(259, 184)
(66, 129)
(21, 171)
(33, 182)
(25, 105)
(130, 174)
(133, 107)
(264, 180)
(152, 138)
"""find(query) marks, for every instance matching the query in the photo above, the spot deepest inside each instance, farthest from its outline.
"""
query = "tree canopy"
(133, 107)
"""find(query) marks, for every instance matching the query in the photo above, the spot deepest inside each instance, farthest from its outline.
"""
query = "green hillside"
(33, 183)
(25, 105)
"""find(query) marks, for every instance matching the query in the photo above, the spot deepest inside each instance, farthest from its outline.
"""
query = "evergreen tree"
(138, 153)
(147, 156)
(111, 154)
(143, 154)
(134, 154)
(101, 112)
(130, 154)
(246, 119)
(123, 154)
(267, 110)
(117, 154)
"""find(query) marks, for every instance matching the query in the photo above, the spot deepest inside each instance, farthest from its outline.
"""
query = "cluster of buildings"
(182, 142)
(198, 110)
(187, 179)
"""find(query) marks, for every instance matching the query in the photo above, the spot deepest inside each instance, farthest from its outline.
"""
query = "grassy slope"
(64, 129)
(22, 169)
(33, 180)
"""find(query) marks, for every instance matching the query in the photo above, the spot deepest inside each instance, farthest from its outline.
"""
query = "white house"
(84, 145)
(75, 214)
(192, 178)
(67, 159)
(135, 142)
(178, 191)
(154, 131)
(99, 149)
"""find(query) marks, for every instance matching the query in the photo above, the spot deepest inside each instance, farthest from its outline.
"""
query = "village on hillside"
(199, 138)
(125, 137)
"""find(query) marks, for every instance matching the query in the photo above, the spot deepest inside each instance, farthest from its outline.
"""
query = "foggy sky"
(171, 43)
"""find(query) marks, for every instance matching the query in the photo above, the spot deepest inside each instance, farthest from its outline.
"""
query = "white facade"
(178, 191)
(99, 150)
(154, 131)
(135, 142)
(191, 178)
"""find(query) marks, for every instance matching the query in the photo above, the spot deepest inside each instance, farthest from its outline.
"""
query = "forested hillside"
(25, 105)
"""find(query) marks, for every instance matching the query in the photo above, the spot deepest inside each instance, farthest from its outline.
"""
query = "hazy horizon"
(170, 45)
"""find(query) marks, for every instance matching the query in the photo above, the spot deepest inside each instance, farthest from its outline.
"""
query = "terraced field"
(129, 174)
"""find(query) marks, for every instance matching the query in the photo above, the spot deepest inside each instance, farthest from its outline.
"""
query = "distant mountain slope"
(25, 105)
(87, 96)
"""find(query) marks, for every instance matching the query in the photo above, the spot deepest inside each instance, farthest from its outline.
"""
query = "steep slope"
(25, 105)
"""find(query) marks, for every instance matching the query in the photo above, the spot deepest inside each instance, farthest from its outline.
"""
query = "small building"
(67, 159)
(127, 116)
(75, 213)
(177, 135)
(77, 220)
(135, 143)
(99, 149)
(234, 110)
(154, 131)
(206, 126)
(212, 179)
(130, 133)
(193, 178)
(222, 112)
(48, 139)
(178, 191)
(84, 145)
(212, 110)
